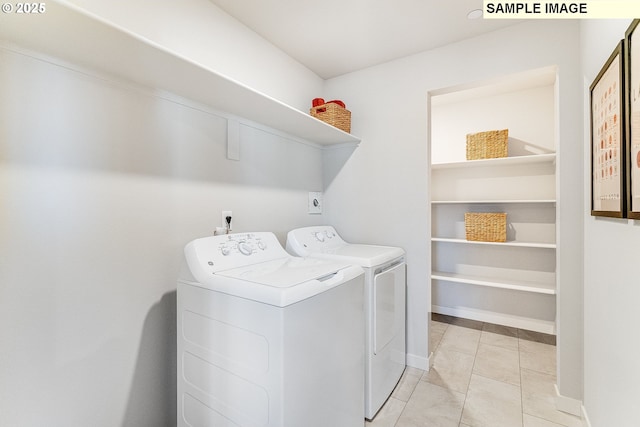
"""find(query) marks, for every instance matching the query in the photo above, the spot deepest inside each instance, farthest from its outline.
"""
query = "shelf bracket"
(233, 139)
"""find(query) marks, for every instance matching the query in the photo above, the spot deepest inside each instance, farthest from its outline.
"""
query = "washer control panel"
(244, 244)
(217, 253)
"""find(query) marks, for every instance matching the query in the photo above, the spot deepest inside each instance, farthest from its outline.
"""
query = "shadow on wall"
(334, 160)
(152, 397)
(87, 123)
(518, 147)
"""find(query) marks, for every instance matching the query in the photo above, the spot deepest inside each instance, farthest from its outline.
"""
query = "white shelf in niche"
(491, 202)
(67, 34)
(517, 285)
(521, 322)
(507, 243)
(503, 161)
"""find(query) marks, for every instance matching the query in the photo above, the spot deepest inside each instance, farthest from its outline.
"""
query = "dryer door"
(388, 304)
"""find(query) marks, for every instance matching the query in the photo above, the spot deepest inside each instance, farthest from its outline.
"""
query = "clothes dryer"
(268, 339)
(385, 304)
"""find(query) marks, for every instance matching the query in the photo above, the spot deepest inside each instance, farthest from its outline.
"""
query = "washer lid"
(285, 272)
(256, 267)
(362, 255)
(282, 282)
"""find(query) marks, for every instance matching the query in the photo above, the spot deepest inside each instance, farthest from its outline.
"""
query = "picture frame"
(632, 73)
(608, 148)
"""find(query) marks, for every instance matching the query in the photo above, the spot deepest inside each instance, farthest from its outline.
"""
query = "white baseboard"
(571, 406)
(585, 418)
(419, 362)
(568, 404)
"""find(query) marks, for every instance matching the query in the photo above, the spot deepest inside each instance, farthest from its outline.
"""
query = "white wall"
(101, 186)
(611, 291)
(203, 33)
(103, 183)
(381, 193)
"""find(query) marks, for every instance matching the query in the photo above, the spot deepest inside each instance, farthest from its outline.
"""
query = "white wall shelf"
(503, 161)
(512, 283)
(507, 243)
(492, 202)
(522, 322)
(77, 38)
(518, 285)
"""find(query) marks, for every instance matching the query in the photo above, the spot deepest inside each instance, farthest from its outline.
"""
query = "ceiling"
(334, 37)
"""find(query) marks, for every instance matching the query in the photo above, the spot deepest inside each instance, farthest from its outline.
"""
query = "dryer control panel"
(308, 240)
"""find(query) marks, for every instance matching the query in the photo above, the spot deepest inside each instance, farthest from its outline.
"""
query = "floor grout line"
(405, 409)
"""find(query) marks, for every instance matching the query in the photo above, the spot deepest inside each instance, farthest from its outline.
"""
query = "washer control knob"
(319, 236)
(244, 248)
(225, 250)
(262, 245)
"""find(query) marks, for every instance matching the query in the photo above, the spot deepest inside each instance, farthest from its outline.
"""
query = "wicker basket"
(333, 114)
(487, 145)
(486, 227)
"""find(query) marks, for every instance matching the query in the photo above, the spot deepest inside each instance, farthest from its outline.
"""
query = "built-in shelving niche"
(511, 283)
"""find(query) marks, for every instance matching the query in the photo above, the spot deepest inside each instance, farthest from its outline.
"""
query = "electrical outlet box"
(225, 214)
(315, 202)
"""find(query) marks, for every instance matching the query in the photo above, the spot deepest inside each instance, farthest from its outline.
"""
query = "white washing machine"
(268, 339)
(385, 305)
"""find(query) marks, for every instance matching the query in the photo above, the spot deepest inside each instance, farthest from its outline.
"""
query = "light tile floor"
(482, 376)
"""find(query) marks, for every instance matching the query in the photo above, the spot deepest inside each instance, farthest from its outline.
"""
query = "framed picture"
(608, 160)
(632, 47)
